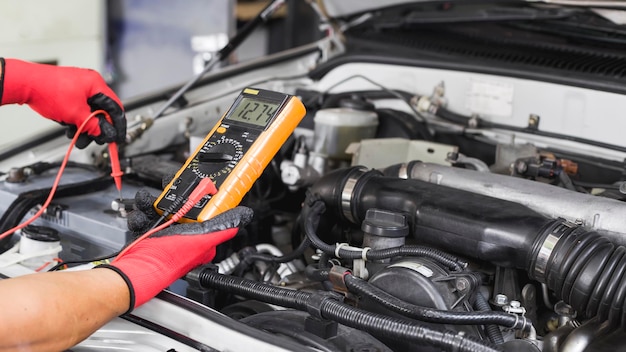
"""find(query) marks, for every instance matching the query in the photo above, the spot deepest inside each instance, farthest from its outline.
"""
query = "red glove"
(66, 95)
(157, 261)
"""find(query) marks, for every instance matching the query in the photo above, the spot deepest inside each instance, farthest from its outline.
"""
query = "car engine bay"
(430, 200)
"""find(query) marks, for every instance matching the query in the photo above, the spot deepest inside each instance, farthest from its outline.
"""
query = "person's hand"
(143, 216)
(66, 95)
(158, 260)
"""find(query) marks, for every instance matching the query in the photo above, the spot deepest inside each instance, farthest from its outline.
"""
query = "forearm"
(66, 307)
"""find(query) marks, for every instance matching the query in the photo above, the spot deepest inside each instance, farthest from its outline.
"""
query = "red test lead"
(116, 170)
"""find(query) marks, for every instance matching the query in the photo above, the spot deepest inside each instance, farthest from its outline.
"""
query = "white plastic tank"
(336, 128)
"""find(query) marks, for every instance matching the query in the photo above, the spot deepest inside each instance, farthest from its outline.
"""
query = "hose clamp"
(337, 277)
(547, 247)
(348, 247)
(404, 171)
(347, 192)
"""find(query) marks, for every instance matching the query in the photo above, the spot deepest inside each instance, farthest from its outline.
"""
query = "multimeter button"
(221, 130)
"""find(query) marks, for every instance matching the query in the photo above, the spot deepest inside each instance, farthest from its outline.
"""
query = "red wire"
(57, 179)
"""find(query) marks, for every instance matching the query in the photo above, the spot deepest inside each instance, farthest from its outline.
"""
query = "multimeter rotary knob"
(217, 158)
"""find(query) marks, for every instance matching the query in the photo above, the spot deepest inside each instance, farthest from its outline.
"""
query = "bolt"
(462, 284)
(622, 188)
(453, 156)
(501, 299)
(521, 167)
(533, 121)
(473, 122)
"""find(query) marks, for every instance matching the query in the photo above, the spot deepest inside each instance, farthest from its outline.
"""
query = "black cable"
(480, 123)
(493, 331)
(324, 304)
(431, 315)
(269, 274)
(566, 181)
(311, 219)
(82, 261)
(323, 267)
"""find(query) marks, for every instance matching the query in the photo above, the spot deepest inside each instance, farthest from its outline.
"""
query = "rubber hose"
(582, 267)
(454, 117)
(311, 220)
(493, 331)
(324, 266)
(431, 315)
(342, 313)
(392, 328)
(587, 271)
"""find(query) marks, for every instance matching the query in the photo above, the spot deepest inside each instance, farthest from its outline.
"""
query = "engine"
(390, 220)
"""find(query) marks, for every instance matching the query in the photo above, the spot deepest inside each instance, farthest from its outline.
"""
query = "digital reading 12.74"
(253, 111)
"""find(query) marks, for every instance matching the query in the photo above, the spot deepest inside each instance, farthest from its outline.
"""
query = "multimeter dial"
(217, 158)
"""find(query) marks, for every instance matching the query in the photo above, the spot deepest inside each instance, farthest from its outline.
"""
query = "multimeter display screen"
(254, 111)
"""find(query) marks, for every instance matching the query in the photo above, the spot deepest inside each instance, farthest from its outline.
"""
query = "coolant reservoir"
(40, 245)
(336, 128)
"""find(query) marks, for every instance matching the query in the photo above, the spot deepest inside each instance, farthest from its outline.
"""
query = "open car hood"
(341, 8)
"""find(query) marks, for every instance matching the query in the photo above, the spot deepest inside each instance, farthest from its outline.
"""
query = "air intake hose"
(582, 267)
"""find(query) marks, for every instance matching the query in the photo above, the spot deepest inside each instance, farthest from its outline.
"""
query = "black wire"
(312, 213)
(83, 261)
(566, 181)
(464, 121)
(555, 135)
(270, 272)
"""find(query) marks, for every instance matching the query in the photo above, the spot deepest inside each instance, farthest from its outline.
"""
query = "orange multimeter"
(235, 152)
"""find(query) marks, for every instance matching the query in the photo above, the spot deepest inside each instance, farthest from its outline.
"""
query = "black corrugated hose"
(326, 306)
(589, 273)
(311, 220)
(493, 331)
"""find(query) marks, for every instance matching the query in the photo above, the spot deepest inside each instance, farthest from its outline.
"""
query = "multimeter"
(235, 152)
